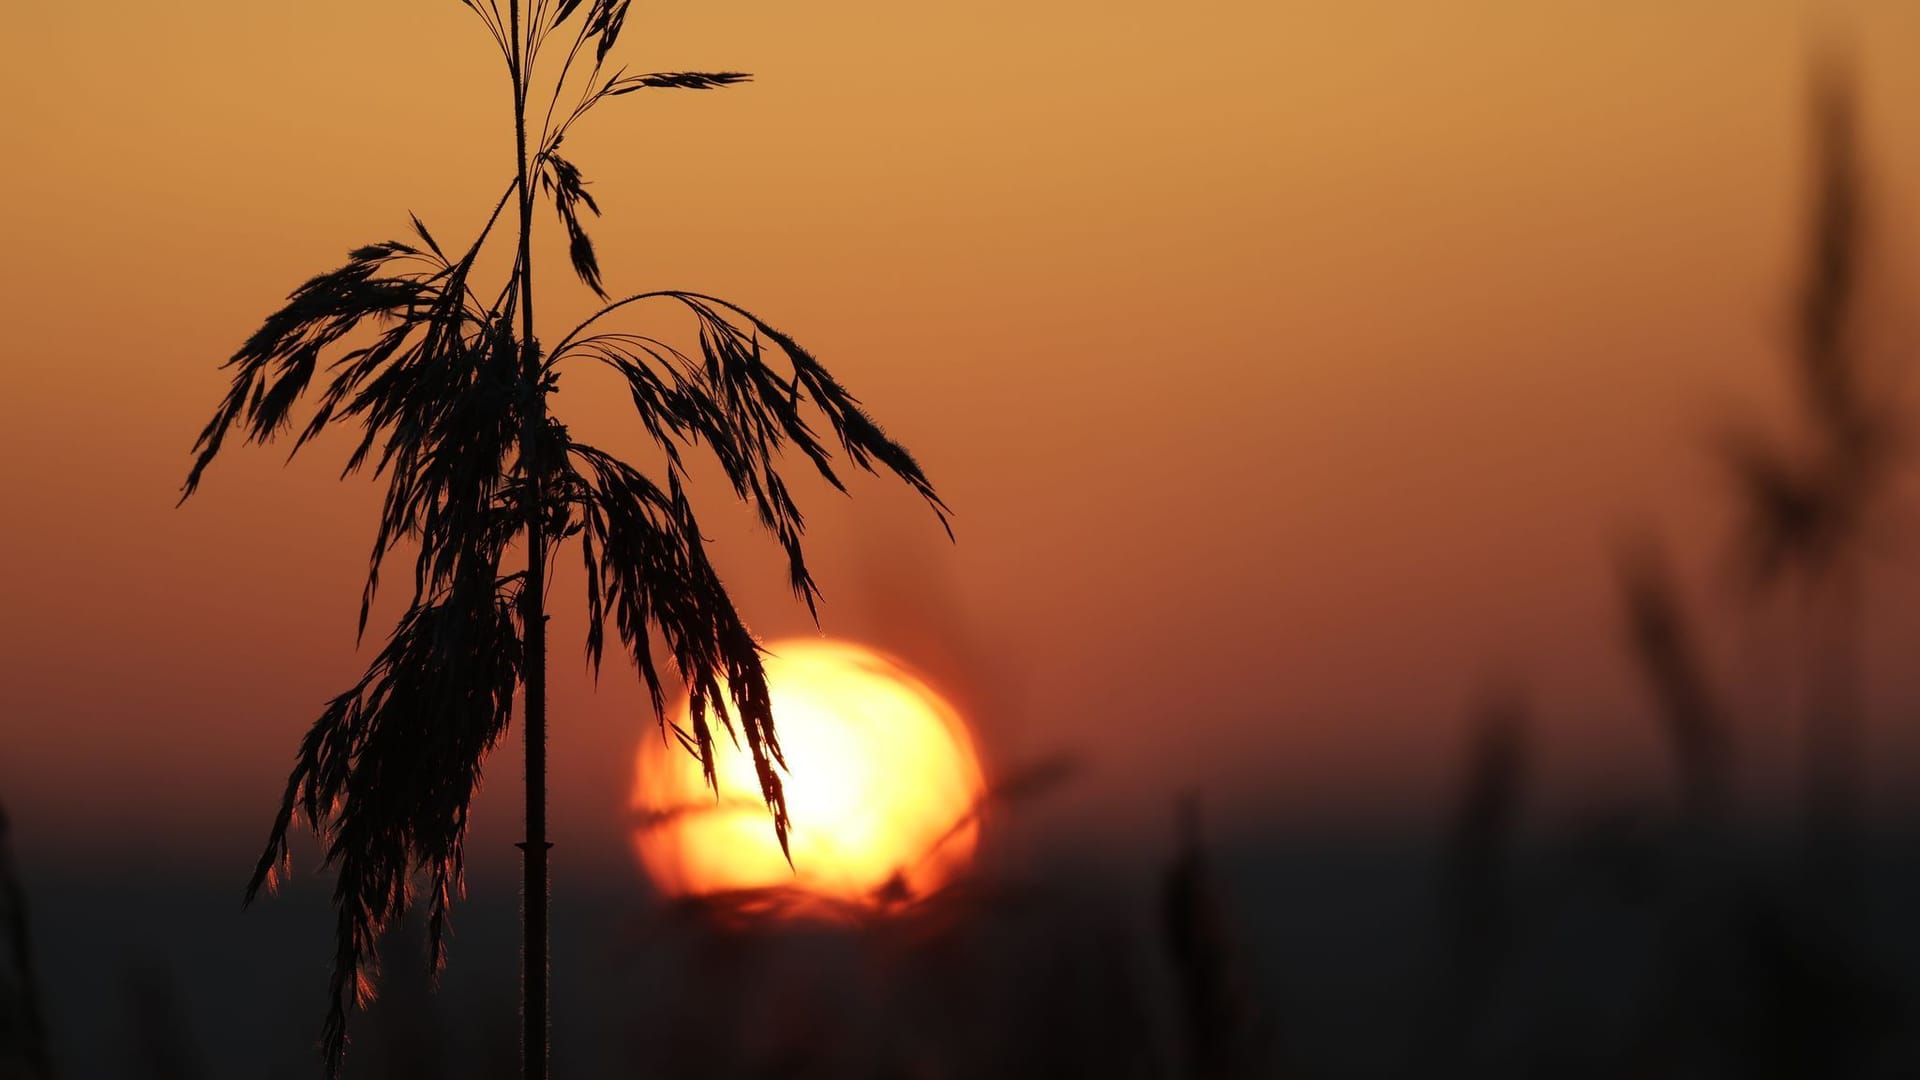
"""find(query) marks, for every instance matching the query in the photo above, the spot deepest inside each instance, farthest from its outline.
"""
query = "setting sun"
(881, 785)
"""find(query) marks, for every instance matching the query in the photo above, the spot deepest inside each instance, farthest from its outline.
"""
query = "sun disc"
(881, 785)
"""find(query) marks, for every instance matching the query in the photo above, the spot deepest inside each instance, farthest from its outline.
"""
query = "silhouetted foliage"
(1476, 849)
(450, 398)
(406, 1036)
(1719, 971)
(1809, 499)
(23, 1026)
(1661, 642)
(1486, 813)
(1213, 1004)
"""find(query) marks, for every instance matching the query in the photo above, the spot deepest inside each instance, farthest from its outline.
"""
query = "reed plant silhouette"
(1662, 642)
(23, 1026)
(450, 395)
(1730, 971)
(1214, 1007)
(1811, 496)
(1475, 865)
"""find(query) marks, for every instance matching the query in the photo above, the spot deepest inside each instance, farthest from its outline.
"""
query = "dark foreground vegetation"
(1619, 946)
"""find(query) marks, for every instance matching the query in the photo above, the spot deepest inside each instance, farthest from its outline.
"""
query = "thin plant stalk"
(536, 1027)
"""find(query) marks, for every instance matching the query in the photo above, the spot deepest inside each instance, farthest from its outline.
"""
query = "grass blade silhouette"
(23, 1026)
(1213, 1002)
(1661, 642)
(1809, 499)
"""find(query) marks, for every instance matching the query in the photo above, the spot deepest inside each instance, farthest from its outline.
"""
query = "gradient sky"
(1290, 368)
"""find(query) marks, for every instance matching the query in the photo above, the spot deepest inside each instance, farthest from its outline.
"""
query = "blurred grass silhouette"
(23, 1029)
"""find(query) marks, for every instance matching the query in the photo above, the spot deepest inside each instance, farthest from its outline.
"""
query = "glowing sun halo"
(881, 782)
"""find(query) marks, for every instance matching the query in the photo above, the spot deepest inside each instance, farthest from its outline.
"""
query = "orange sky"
(1290, 367)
